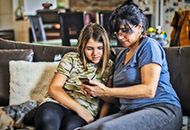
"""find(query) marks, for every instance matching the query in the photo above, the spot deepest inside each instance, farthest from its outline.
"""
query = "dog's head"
(19, 111)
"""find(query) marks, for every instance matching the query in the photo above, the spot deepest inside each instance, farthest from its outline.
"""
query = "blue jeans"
(152, 117)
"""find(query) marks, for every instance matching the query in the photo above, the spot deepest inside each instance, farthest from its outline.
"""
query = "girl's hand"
(97, 90)
(85, 115)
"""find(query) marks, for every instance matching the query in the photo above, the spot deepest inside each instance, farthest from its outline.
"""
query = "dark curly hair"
(127, 13)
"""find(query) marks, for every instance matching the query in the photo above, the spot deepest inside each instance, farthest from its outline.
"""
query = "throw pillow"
(30, 80)
(5, 57)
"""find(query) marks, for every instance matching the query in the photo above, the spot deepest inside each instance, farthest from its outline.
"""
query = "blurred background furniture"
(104, 18)
(7, 34)
(37, 28)
(50, 19)
(71, 24)
(39, 33)
(104, 21)
(150, 19)
(49, 16)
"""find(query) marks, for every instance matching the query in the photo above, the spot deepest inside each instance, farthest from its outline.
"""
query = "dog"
(16, 114)
(6, 122)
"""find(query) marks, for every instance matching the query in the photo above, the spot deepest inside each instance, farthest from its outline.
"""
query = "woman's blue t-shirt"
(149, 51)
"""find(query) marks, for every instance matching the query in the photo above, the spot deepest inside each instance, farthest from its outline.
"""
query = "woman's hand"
(96, 90)
(100, 90)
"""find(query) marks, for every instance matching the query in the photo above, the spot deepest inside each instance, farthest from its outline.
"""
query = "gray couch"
(178, 61)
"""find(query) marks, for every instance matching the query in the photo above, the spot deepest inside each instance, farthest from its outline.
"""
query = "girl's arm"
(58, 93)
(106, 105)
(104, 110)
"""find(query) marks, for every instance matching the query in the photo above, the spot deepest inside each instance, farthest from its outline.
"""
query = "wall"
(94, 5)
(101, 5)
(8, 8)
(64, 1)
(7, 19)
(6, 14)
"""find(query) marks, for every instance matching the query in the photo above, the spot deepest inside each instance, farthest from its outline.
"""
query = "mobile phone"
(85, 80)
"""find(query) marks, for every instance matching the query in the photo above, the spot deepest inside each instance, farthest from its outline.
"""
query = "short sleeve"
(111, 69)
(65, 65)
(108, 73)
(150, 52)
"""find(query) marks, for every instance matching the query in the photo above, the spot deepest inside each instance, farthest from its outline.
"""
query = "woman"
(141, 79)
(66, 107)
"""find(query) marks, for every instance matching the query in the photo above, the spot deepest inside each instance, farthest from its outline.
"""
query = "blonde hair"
(98, 33)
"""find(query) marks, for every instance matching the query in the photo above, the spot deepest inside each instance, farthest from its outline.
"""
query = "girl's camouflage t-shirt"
(71, 66)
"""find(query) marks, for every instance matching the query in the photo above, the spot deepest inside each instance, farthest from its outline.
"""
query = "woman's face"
(129, 39)
(94, 51)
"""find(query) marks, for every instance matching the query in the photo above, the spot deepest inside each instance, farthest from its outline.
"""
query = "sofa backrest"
(41, 52)
(178, 59)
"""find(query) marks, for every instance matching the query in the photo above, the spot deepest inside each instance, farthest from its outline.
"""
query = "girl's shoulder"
(71, 57)
(72, 54)
(110, 63)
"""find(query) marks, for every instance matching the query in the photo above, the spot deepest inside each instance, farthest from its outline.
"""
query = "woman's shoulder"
(150, 44)
(121, 53)
(150, 49)
(148, 41)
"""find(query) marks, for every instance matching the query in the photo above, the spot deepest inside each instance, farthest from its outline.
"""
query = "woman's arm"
(150, 74)
(58, 93)
(112, 99)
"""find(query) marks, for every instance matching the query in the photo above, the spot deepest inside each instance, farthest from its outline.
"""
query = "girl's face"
(94, 51)
(129, 38)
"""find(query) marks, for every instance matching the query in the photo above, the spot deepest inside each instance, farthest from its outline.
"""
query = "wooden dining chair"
(37, 28)
(71, 24)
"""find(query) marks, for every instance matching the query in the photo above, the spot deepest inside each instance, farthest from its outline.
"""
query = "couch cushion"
(178, 59)
(47, 52)
(5, 57)
(41, 52)
(30, 80)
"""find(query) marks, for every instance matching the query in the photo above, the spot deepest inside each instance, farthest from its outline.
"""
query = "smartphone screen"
(84, 80)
